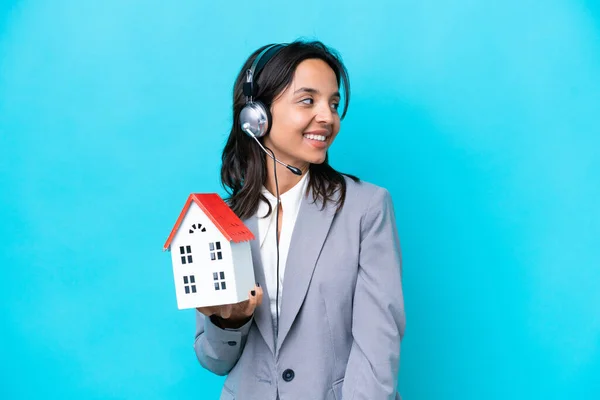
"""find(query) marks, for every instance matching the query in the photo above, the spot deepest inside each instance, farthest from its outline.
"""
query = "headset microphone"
(246, 128)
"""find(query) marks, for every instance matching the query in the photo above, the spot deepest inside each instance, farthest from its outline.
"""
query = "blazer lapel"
(262, 314)
(310, 230)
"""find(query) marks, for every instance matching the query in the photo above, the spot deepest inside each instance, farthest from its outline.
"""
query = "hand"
(237, 314)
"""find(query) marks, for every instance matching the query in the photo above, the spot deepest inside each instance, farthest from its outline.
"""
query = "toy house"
(210, 253)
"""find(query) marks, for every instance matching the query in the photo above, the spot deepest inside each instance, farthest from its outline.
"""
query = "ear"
(269, 117)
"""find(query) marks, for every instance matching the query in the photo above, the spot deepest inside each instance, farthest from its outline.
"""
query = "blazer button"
(232, 343)
(288, 375)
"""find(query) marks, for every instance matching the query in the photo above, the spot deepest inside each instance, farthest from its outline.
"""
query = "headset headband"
(250, 87)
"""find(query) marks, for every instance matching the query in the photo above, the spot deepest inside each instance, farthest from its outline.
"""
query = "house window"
(186, 254)
(219, 278)
(215, 251)
(197, 226)
(189, 284)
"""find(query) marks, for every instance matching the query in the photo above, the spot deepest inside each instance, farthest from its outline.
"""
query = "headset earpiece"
(255, 117)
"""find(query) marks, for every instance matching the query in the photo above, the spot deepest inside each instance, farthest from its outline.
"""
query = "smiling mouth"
(320, 138)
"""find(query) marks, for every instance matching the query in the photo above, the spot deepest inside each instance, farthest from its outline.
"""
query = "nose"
(324, 113)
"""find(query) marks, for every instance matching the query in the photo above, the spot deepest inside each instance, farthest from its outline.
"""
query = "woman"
(326, 317)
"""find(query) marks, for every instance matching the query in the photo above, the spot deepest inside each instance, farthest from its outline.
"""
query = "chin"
(310, 157)
(316, 160)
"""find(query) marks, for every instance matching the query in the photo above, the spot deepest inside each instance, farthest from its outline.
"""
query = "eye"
(308, 100)
(335, 106)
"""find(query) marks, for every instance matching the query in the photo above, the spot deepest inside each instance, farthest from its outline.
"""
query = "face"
(305, 115)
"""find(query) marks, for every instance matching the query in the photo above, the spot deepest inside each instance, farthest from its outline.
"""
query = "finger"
(226, 311)
(259, 295)
(249, 309)
(255, 300)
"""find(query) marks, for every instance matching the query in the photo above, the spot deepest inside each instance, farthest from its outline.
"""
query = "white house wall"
(244, 269)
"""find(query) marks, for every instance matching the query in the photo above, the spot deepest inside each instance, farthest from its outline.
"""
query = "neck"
(286, 178)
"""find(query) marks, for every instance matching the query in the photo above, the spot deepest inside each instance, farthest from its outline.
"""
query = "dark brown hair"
(243, 170)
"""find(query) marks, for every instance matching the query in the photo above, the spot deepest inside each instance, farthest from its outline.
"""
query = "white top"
(290, 203)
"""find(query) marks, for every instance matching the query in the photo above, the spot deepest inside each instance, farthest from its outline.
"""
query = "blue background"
(481, 118)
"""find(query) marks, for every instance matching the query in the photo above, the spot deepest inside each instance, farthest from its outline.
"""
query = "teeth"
(316, 137)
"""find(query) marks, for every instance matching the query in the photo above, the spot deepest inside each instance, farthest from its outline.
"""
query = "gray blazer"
(342, 310)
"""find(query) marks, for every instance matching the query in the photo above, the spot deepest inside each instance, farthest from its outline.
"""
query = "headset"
(255, 120)
(255, 117)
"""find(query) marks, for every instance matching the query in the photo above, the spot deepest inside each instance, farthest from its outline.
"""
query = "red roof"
(215, 208)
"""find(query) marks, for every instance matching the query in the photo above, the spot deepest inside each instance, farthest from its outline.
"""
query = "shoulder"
(364, 190)
(363, 196)
(372, 205)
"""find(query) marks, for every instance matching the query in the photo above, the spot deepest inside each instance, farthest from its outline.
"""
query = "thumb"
(226, 311)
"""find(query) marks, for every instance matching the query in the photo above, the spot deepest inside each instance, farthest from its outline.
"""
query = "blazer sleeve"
(378, 318)
(218, 350)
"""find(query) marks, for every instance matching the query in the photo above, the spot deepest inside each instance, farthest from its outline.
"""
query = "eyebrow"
(314, 91)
